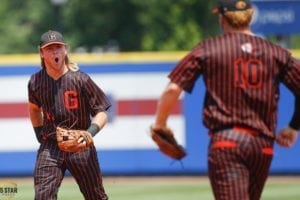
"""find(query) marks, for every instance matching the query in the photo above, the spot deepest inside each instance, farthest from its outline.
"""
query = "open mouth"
(56, 59)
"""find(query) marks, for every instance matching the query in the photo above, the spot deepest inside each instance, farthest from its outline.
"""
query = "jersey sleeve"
(295, 121)
(32, 98)
(96, 98)
(187, 71)
(291, 75)
(291, 78)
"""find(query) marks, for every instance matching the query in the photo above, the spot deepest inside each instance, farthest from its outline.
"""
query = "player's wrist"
(93, 129)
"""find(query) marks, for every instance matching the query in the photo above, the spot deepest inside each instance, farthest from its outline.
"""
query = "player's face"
(54, 56)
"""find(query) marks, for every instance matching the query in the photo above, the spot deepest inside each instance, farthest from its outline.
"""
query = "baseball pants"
(50, 169)
(239, 163)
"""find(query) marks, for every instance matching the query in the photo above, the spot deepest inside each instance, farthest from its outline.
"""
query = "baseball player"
(62, 95)
(241, 73)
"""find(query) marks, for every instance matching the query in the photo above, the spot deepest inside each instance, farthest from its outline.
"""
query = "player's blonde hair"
(239, 19)
(71, 65)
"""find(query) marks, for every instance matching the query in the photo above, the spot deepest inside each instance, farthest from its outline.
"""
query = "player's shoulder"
(79, 75)
(35, 80)
(275, 48)
(241, 38)
(275, 45)
(38, 74)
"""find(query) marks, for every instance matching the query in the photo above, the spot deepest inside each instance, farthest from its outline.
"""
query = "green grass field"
(160, 188)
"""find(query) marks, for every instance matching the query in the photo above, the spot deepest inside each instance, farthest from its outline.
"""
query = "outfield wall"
(134, 82)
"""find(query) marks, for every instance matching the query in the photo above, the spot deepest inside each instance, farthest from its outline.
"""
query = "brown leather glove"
(164, 138)
(70, 140)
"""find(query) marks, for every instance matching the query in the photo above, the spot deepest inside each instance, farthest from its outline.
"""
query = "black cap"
(232, 5)
(51, 37)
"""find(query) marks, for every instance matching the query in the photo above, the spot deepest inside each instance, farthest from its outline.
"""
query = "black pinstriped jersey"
(70, 101)
(242, 74)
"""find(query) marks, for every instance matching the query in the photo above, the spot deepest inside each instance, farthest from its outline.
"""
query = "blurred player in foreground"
(242, 74)
(60, 95)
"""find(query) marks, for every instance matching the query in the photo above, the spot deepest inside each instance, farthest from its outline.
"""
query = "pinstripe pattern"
(67, 102)
(52, 164)
(49, 171)
(239, 172)
(242, 74)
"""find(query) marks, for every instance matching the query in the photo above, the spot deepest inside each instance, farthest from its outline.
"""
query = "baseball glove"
(70, 140)
(164, 138)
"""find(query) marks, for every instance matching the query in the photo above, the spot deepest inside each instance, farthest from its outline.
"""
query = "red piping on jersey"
(268, 151)
(224, 144)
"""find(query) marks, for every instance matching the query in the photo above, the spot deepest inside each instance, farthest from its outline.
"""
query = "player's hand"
(287, 137)
(81, 140)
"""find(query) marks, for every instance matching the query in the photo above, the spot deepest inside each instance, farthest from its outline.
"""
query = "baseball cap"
(232, 5)
(51, 37)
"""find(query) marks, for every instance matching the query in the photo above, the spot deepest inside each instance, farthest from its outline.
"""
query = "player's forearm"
(166, 103)
(98, 122)
(35, 115)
